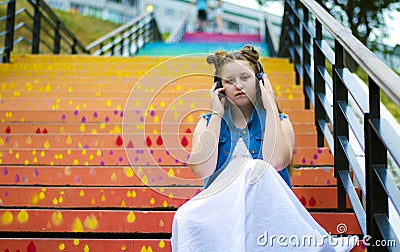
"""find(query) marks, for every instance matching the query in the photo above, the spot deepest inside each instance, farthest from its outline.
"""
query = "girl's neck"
(241, 115)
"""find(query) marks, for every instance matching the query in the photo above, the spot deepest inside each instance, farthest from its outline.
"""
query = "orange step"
(53, 244)
(115, 115)
(134, 176)
(46, 244)
(147, 156)
(170, 140)
(93, 103)
(126, 221)
(136, 197)
(114, 128)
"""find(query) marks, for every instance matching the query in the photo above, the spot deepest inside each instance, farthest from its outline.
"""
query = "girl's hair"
(220, 58)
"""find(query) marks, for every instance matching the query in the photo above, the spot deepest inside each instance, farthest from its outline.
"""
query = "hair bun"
(221, 53)
(217, 58)
(250, 53)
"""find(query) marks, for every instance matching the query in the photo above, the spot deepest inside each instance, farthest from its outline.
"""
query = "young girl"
(240, 148)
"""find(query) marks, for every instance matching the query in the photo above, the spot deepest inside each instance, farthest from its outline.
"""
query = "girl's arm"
(204, 155)
(278, 144)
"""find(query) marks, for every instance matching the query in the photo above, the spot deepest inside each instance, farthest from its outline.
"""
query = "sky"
(392, 24)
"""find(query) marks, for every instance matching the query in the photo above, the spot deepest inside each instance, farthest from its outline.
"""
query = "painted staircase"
(93, 151)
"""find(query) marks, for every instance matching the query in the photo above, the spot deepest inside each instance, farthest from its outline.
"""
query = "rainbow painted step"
(117, 116)
(135, 197)
(114, 128)
(126, 176)
(151, 156)
(126, 221)
(85, 245)
(148, 245)
(90, 141)
(157, 103)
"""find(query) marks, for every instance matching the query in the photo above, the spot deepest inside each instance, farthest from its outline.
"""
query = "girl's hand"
(267, 93)
(217, 104)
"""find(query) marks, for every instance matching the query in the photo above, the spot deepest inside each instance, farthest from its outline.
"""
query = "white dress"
(249, 207)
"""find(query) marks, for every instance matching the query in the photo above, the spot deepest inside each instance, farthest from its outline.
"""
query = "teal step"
(179, 49)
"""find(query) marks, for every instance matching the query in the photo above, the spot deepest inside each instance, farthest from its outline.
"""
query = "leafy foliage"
(363, 17)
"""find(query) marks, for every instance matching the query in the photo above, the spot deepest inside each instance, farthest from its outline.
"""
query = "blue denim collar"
(257, 118)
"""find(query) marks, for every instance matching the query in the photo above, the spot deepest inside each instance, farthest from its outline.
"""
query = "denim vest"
(252, 136)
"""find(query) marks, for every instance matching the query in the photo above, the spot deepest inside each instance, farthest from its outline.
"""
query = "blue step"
(178, 49)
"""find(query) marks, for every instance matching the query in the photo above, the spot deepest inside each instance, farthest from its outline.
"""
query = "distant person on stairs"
(202, 6)
(218, 16)
(242, 149)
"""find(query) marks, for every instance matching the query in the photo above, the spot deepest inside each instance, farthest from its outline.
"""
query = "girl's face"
(239, 81)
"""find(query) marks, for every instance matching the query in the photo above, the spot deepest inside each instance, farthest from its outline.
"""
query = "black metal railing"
(269, 37)
(339, 99)
(62, 35)
(49, 33)
(9, 32)
(180, 29)
(128, 39)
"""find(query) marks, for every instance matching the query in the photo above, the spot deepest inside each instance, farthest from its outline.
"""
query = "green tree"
(362, 17)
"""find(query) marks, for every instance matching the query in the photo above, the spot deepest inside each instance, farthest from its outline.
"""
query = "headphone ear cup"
(260, 74)
(217, 80)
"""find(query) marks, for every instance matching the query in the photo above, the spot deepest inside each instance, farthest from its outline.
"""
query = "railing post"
(112, 46)
(319, 82)
(9, 39)
(130, 43)
(122, 44)
(284, 38)
(306, 57)
(57, 39)
(296, 31)
(156, 33)
(74, 45)
(36, 28)
(340, 125)
(375, 155)
(137, 37)
(101, 48)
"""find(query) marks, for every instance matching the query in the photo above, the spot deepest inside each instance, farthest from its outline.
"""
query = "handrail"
(58, 31)
(59, 23)
(386, 79)
(180, 29)
(125, 40)
(270, 37)
(121, 39)
(335, 117)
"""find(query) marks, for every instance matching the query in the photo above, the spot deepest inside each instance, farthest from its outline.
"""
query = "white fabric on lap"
(234, 215)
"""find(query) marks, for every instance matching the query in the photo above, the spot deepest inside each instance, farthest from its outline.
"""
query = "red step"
(151, 155)
(141, 245)
(86, 245)
(134, 176)
(126, 221)
(136, 197)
